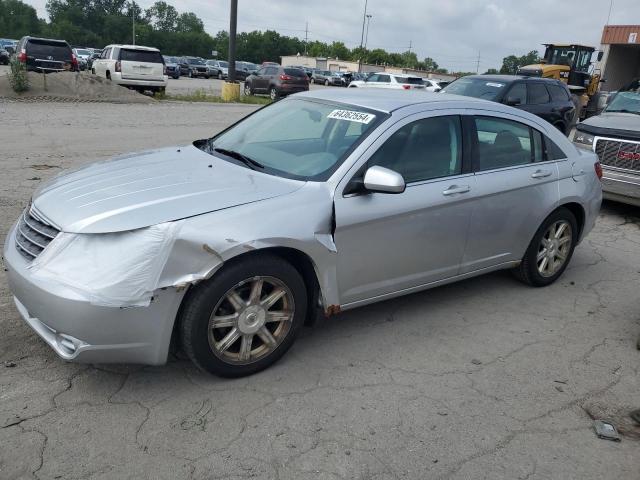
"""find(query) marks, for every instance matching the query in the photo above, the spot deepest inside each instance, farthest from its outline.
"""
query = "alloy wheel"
(554, 248)
(247, 90)
(273, 93)
(251, 320)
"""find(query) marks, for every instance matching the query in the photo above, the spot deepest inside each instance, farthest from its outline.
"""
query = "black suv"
(46, 55)
(547, 98)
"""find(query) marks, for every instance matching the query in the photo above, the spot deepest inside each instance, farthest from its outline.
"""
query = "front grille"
(618, 153)
(33, 234)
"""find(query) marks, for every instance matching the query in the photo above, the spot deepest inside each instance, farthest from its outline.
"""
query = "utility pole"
(478, 63)
(231, 88)
(306, 37)
(233, 23)
(410, 43)
(364, 19)
(133, 22)
(366, 35)
(610, 8)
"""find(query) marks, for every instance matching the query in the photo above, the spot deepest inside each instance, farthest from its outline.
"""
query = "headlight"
(583, 139)
(111, 269)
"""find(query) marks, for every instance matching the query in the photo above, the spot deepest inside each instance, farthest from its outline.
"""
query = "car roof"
(390, 100)
(133, 47)
(28, 37)
(512, 78)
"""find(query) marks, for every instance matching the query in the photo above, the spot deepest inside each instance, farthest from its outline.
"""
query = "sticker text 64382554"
(360, 117)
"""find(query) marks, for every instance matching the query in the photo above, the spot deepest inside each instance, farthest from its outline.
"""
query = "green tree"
(511, 63)
(339, 50)
(162, 16)
(18, 19)
(189, 22)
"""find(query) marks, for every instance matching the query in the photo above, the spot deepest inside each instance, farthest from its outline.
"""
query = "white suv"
(390, 80)
(133, 66)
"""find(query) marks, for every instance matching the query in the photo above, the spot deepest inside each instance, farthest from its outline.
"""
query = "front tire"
(550, 251)
(245, 318)
(326, 83)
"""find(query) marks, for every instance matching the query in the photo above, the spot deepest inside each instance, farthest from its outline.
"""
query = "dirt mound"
(70, 86)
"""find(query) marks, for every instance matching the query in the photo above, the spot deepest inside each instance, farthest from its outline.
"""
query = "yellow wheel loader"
(573, 65)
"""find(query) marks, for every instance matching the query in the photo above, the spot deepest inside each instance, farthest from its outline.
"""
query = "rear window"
(295, 72)
(146, 56)
(410, 80)
(486, 88)
(57, 50)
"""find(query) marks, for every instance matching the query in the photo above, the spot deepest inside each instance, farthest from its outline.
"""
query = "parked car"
(270, 64)
(390, 81)
(327, 77)
(4, 56)
(172, 67)
(46, 55)
(614, 136)
(197, 243)
(196, 67)
(244, 69)
(547, 98)
(82, 53)
(92, 58)
(218, 68)
(431, 85)
(133, 66)
(276, 81)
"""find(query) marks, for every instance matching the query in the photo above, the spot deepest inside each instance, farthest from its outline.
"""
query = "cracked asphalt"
(486, 378)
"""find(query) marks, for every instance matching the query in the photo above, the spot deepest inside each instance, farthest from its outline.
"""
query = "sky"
(452, 32)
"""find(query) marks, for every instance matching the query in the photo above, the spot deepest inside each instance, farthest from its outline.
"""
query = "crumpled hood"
(140, 190)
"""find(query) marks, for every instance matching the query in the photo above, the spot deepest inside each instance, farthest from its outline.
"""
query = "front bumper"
(621, 185)
(82, 332)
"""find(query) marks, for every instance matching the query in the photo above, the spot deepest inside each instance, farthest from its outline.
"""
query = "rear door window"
(538, 94)
(384, 78)
(558, 94)
(146, 56)
(502, 143)
(410, 80)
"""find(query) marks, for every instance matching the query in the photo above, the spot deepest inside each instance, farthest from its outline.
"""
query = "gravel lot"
(483, 379)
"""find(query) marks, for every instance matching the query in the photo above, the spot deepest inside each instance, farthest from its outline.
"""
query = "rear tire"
(273, 93)
(248, 91)
(221, 349)
(326, 83)
(549, 252)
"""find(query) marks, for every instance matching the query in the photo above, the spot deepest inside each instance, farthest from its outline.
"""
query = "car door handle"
(541, 174)
(453, 189)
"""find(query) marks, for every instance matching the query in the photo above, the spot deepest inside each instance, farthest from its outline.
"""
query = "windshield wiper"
(249, 162)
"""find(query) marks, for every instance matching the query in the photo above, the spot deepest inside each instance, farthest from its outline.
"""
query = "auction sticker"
(496, 85)
(352, 116)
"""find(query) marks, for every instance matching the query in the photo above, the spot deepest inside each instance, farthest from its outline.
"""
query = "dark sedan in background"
(547, 98)
(172, 66)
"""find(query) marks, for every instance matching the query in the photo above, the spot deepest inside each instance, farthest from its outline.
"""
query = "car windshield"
(476, 87)
(224, 64)
(195, 61)
(626, 102)
(251, 66)
(295, 138)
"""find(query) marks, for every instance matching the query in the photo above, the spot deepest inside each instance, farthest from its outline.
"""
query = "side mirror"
(600, 54)
(382, 180)
(513, 101)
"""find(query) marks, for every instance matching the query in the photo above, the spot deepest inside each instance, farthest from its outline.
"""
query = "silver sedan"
(327, 201)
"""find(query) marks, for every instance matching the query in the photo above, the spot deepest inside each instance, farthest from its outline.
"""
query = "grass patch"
(204, 96)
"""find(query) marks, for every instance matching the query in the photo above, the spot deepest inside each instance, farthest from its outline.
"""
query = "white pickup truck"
(132, 66)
